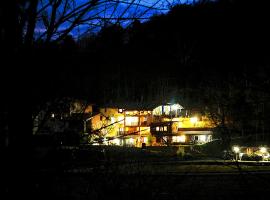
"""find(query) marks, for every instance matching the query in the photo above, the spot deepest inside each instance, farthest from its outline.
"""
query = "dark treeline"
(186, 48)
(209, 55)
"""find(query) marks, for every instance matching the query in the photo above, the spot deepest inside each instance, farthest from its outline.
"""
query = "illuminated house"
(164, 125)
(172, 124)
(118, 126)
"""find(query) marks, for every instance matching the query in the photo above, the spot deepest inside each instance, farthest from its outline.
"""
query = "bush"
(213, 149)
(252, 157)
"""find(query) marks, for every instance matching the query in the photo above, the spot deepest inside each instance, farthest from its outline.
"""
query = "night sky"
(123, 10)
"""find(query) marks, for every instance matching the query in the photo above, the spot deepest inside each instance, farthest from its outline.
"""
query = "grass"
(133, 173)
(158, 160)
(154, 168)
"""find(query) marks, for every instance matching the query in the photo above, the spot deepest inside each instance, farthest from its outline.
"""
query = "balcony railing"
(123, 133)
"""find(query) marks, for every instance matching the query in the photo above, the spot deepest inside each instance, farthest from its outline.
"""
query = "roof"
(129, 106)
(197, 132)
(195, 129)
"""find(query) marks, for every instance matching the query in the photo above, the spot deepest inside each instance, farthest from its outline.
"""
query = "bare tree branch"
(55, 19)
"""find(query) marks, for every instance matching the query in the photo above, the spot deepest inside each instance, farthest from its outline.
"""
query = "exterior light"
(193, 120)
(263, 150)
(120, 110)
(236, 149)
(175, 107)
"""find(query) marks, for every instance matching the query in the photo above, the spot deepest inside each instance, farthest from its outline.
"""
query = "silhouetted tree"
(54, 19)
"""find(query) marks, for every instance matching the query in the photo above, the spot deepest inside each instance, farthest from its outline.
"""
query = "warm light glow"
(202, 138)
(263, 150)
(132, 121)
(120, 119)
(145, 139)
(175, 107)
(131, 140)
(181, 138)
(236, 149)
(116, 141)
(193, 120)
(120, 110)
(112, 119)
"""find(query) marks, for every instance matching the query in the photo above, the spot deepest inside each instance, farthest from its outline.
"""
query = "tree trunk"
(32, 15)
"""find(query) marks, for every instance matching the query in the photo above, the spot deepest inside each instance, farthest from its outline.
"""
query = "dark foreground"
(145, 178)
(137, 186)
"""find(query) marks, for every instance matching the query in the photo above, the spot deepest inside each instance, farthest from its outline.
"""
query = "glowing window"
(157, 128)
(165, 128)
(181, 138)
(132, 121)
(131, 141)
(145, 139)
(116, 141)
(202, 138)
(193, 120)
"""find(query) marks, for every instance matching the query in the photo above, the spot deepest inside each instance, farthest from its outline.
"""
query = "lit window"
(145, 139)
(165, 128)
(202, 138)
(175, 107)
(193, 120)
(112, 119)
(131, 141)
(157, 128)
(116, 141)
(181, 138)
(132, 121)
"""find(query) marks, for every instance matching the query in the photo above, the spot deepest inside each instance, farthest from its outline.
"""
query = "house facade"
(168, 124)
(172, 124)
(119, 126)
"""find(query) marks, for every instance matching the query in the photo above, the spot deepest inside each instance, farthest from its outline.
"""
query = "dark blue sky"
(123, 10)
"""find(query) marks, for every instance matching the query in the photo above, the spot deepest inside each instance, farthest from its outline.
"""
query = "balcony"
(124, 133)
